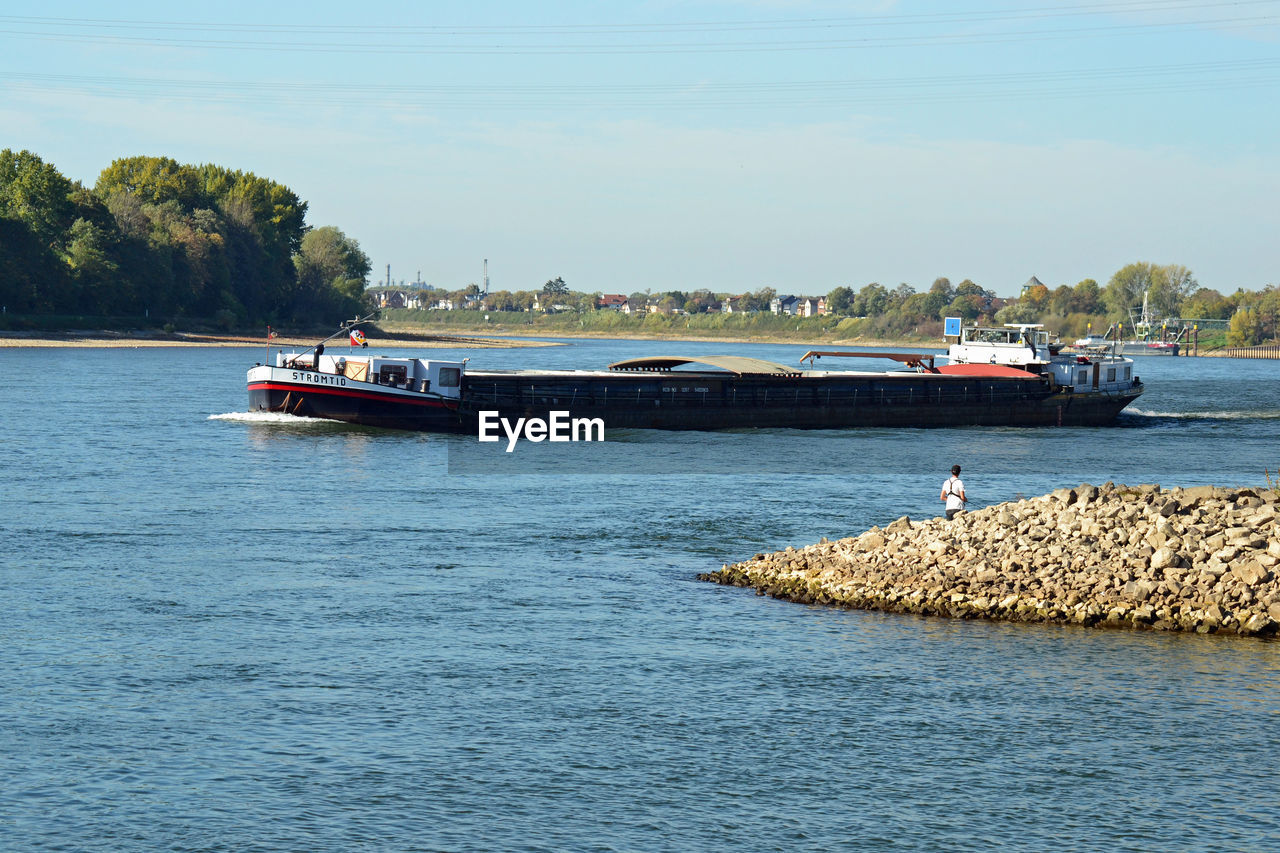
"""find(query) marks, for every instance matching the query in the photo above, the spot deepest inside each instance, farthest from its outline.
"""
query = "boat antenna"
(345, 328)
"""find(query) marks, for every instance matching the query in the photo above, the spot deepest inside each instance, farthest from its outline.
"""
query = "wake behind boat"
(1009, 376)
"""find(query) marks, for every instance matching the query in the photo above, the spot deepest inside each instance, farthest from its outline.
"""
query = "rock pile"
(1201, 559)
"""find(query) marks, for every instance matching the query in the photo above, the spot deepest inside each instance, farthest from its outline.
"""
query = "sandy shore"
(710, 339)
(417, 337)
(136, 340)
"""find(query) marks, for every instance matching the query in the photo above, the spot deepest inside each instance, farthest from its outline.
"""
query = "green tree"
(759, 300)
(94, 271)
(872, 301)
(898, 297)
(501, 300)
(1245, 328)
(36, 194)
(1265, 304)
(916, 306)
(31, 278)
(274, 211)
(153, 180)
(222, 239)
(967, 306)
(840, 301)
(555, 287)
(194, 243)
(1019, 311)
(1124, 291)
(1206, 304)
(524, 300)
(332, 272)
(1170, 286)
(704, 300)
(1087, 298)
(938, 298)
(1061, 300)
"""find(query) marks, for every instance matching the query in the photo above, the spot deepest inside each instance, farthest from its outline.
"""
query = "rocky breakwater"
(1202, 559)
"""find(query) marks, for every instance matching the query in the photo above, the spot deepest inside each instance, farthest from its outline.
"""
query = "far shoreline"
(411, 337)
(105, 339)
(692, 338)
(405, 337)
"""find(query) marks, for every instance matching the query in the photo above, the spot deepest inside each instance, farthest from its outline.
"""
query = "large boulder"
(1250, 572)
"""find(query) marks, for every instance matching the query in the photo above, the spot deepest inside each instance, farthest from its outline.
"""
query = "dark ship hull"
(691, 400)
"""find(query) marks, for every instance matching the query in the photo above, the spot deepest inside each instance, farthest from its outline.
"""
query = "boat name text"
(319, 378)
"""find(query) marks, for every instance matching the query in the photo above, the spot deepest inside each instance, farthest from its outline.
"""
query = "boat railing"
(916, 360)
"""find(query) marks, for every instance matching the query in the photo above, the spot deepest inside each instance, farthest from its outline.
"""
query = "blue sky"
(729, 145)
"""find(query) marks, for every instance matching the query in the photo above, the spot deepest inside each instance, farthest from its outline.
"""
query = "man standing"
(953, 493)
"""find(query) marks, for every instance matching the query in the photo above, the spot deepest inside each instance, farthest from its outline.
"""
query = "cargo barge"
(1010, 376)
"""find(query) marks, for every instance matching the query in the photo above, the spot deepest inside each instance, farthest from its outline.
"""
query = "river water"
(233, 632)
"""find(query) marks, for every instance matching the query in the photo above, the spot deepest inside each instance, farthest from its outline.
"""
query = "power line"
(965, 17)
(530, 40)
(1077, 82)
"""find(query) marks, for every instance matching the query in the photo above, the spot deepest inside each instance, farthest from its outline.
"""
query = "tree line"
(178, 242)
(1171, 292)
(158, 238)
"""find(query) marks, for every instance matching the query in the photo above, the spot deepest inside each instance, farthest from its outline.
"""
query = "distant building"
(784, 305)
(613, 301)
(550, 306)
(398, 299)
(1031, 282)
(812, 306)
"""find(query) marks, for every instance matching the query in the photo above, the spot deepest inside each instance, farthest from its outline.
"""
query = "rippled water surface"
(231, 632)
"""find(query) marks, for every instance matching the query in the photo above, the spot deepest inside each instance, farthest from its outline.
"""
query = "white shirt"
(953, 487)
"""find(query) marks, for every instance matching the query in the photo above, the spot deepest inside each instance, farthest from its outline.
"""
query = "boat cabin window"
(1111, 374)
(450, 377)
(1083, 378)
(1127, 372)
(1004, 336)
(995, 336)
(393, 374)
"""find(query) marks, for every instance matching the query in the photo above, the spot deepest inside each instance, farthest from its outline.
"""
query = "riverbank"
(142, 339)
(1201, 559)
(480, 337)
(697, 337)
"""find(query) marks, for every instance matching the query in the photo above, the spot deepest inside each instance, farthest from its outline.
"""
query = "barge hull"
(693, 401)
(710, 403)
(354, 404)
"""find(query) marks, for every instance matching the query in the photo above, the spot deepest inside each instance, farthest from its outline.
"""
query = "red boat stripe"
(343, 392)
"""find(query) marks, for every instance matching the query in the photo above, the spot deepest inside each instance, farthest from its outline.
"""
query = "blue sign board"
(951, 326)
